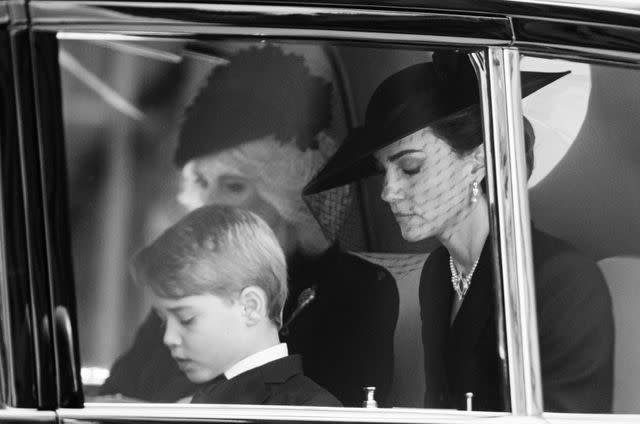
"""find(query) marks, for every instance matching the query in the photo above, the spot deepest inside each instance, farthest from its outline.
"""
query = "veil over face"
(265, 176)
(427, 184)
(407, 101)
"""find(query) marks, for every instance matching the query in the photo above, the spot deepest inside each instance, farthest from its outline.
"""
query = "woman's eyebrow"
(402, 153)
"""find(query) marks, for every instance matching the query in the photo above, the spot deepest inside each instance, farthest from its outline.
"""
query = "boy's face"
(206, 334)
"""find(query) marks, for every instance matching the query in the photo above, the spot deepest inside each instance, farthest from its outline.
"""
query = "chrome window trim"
(282, 21)
(568, 418)
(506, 162)
(612, 6)
(45, 11)
(191, 413)
(528, 8)
(131, 32)
(7, 374)
(584, 54)
(4, 13)
(86, 16)
(26, 414)
(17, 11)
(480, 63)
(234, 8)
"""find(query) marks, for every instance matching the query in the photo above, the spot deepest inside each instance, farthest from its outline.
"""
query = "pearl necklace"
(460, 282)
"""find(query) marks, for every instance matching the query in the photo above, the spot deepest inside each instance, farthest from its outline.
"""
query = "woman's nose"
(391, 190)
(171, 337)
(190, 198)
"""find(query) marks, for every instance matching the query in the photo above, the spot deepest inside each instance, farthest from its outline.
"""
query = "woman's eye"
(233, 185)
(411, 171)
(411, 166)
(201, 181)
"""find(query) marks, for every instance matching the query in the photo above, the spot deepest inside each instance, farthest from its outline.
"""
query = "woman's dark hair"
(463, 132)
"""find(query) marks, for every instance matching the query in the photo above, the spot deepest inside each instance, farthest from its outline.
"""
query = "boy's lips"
(183, 362)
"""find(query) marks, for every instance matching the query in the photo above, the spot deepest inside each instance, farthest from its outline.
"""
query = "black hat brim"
(354, 159)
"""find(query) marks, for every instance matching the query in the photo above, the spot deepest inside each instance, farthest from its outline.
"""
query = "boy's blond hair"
(218, 250)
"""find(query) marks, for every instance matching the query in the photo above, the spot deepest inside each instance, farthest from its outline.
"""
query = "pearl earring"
(475, 191)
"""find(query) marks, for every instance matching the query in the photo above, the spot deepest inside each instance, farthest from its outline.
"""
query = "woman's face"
(224, 180)
(427, 184)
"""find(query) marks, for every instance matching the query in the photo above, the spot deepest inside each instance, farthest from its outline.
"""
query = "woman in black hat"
(423, 129)
(253, 137)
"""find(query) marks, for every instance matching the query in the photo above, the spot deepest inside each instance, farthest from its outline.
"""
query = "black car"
(95, 99)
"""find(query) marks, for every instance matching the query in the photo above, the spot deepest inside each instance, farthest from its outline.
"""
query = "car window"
(584, 202)
(331, 147)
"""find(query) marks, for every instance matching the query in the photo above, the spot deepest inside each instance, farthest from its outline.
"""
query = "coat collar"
(435, 306)
(444, 343)
(255, 386)
(437, 295)
(477, 307)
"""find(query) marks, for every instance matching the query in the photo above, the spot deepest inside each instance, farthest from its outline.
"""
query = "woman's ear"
(478, 164)
(254, 305)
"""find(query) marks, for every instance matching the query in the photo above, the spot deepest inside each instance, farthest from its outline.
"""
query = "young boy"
(219, 282)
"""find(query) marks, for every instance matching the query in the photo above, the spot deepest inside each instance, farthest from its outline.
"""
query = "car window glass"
(158, 131)
(584, 207)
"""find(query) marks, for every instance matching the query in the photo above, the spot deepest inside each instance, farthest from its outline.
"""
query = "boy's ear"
(254, 305)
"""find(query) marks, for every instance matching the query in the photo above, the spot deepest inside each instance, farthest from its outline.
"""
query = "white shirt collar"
(257, 359)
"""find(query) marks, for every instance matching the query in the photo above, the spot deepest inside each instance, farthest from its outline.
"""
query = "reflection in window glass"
(590, 201)
(156, 130)
(389, 272)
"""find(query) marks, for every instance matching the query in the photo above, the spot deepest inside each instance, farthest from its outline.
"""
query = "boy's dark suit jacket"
(279, 382)
(575, 328)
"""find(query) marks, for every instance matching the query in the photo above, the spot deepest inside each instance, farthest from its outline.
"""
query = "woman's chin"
(413, 234)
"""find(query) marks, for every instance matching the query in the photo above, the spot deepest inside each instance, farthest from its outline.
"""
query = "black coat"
(575, 327)
(345, 335)
(280, 382)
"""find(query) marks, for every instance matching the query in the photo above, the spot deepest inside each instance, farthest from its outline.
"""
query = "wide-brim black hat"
(405, 102)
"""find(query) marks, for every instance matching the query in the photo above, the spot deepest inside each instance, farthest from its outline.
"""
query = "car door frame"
(503, 37)
(28, 386)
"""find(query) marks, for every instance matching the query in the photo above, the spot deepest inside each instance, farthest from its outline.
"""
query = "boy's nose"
(171, 337)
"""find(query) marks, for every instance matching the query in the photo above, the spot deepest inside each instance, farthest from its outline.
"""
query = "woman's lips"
(403, 215)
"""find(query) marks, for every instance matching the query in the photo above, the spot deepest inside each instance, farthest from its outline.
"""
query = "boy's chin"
(200, 376)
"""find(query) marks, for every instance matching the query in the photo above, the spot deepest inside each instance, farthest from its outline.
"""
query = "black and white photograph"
(393, 211)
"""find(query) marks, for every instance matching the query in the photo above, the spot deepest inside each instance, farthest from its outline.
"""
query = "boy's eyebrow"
(161, 312)
(175, 309)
